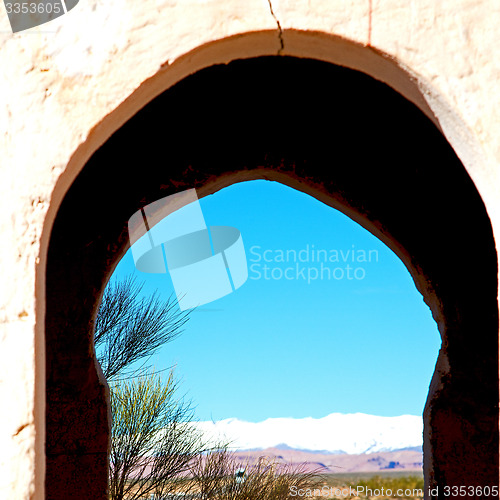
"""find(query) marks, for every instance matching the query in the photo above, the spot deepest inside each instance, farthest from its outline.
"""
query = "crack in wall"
(20, 429)
(280, 30)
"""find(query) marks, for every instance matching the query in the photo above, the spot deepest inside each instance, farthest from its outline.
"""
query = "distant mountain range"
(330, 463)
(338, 433)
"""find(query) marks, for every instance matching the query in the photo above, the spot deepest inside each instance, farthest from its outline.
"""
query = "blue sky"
(281, 347)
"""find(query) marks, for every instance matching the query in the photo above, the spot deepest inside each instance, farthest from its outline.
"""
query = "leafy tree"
(153, 438)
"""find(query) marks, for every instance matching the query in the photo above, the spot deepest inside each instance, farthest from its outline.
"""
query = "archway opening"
(344, 138)
(328, 324)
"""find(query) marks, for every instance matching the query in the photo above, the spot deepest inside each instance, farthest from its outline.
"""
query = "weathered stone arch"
(247, 125)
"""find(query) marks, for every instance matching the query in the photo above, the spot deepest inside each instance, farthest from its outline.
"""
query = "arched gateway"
(337, 134)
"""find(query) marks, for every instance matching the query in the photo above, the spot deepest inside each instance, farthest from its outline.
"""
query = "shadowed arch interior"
(335, 133)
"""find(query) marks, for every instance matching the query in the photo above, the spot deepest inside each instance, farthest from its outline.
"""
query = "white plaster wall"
(61, 82)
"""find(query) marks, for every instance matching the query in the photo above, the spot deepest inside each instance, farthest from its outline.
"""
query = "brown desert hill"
(330, 463)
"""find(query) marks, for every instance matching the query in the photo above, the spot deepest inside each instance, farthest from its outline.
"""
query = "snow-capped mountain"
(336, 433)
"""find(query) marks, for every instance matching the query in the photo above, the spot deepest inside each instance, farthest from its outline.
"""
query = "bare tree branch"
(130, 328)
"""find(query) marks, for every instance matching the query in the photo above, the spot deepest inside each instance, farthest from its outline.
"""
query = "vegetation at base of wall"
(153, 438)
(219, 475)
